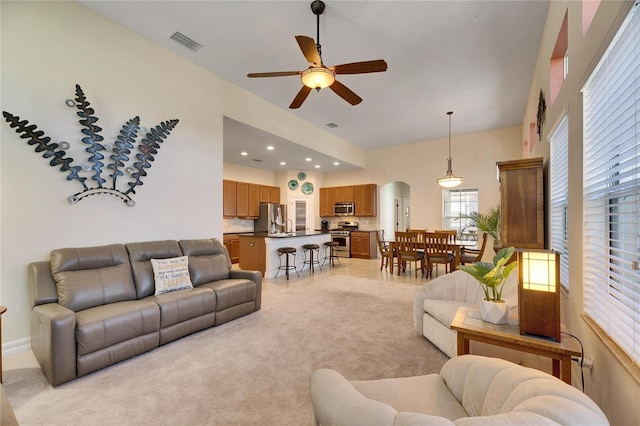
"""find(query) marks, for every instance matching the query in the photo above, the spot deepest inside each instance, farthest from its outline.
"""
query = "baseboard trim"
(17, 346)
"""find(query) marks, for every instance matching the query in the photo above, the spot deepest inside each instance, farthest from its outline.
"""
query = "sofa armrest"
(53, 341)
(337, 402)
(254, 276)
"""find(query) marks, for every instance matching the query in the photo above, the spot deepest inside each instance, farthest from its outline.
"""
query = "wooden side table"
(469, 326)
(2, 311)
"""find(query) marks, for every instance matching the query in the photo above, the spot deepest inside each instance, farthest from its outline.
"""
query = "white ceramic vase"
(494, 312)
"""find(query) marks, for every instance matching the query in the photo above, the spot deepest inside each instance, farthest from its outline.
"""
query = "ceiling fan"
(318, 76)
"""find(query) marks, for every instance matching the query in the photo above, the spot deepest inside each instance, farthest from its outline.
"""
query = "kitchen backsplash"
(237, 225)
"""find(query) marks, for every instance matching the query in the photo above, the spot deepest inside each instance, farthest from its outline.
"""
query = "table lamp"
(539, 292)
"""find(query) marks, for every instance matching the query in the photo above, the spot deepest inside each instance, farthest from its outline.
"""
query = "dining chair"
(406, 246)
(437, 251)
(470, 255)
(386, 253)
(451, 233)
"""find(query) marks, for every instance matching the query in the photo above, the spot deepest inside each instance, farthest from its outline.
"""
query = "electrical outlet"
(587, 363)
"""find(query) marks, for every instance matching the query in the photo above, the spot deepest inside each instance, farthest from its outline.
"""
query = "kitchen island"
(258, 251)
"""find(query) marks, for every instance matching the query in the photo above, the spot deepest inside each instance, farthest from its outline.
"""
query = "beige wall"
(48, 47)
(610, 384)
(421, 164)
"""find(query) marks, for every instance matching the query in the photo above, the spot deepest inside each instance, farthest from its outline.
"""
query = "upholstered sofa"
(437, 302)
(469, 390)
(96, 306)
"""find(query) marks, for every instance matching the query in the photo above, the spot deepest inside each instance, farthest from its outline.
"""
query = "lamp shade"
(539, 292)
(318, 77)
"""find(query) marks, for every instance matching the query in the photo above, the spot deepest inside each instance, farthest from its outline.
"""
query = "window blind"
(559, 197)
(612, 189)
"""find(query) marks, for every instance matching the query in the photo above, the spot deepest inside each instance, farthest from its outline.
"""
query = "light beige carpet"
(254, 370)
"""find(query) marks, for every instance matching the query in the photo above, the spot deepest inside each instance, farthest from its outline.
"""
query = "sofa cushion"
(183, 305)
(140, 255)
(208, 260)
(420, 394)
(232, 292)
(171, 274)
(107, 325)
(444, 310)
(92, 276)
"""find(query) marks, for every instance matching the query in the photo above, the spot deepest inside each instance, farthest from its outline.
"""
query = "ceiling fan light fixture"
(449, 180)
(318, 77)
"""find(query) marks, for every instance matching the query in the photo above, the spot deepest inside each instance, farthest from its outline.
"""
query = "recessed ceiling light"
(244, 153)
(317, 166)
(270, 147)
(308, 159)
(282, 163)
(335, 163)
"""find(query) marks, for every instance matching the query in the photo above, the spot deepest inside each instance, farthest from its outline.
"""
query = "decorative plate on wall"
(302, 176)
(307, 188)
(293, 184)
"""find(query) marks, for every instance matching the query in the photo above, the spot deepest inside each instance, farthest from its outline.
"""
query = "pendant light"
(449, 180)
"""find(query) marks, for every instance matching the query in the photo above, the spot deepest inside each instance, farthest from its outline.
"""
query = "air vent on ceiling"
(185, 41)
(332, 125)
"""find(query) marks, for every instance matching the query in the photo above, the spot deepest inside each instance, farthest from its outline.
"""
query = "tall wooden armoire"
(522, 203)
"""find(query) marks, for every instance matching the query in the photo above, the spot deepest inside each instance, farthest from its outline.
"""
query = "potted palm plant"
(492, 277)
(488, 222)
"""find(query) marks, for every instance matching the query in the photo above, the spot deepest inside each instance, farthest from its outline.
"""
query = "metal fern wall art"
(121, 150)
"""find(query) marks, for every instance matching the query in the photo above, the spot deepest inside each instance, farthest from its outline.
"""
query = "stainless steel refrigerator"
(272, 218)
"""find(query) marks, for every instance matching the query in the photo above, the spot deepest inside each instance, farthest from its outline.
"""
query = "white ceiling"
(475, 58)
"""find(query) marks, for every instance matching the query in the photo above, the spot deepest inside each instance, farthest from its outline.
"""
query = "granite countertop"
(282, 235)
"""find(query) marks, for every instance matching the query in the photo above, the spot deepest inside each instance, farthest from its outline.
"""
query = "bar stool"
(328, 246)
(311, 248)
(286, 251)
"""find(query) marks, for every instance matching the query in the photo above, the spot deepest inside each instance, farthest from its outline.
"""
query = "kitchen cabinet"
(365, 199)
(269, 194)
(254, 200)
(253, 251)
(364, 244)
(274, 194)
(522, 203)
(242, 199)
(343, 194)
(232, 243)
(326, 202)
(229, 198)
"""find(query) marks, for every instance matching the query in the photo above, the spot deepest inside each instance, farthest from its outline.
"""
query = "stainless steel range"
(342, 236)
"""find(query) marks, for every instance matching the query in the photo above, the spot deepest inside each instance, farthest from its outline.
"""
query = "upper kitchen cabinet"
(229, 198)
(269, 194)
(522, 203)
(365, 198)
(326, 202)
(343, 194)
(241, 199)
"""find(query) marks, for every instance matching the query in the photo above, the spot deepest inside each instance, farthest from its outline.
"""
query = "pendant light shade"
(449, 180)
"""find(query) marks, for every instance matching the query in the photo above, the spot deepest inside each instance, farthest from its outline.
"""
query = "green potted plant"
(488, 222)
(492, 277)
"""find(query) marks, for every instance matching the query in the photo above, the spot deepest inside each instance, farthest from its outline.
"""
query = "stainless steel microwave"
(343, 209)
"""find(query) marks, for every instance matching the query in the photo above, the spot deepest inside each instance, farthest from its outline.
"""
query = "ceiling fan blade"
(378, 65)
(300, 97)
(309, 49)
(273, 74)
(345, 93)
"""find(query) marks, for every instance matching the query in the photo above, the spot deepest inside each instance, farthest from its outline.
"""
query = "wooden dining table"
(454, 247)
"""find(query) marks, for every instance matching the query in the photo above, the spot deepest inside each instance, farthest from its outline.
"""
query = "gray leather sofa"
(95, 306)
